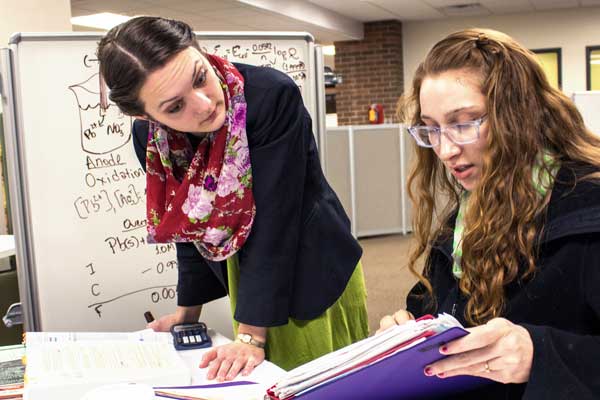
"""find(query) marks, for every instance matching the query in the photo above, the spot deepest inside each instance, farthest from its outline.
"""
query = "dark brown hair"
(505, 215)
(129, 52)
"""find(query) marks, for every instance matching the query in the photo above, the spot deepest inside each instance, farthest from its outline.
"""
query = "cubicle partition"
(367, 166)
(588, 104)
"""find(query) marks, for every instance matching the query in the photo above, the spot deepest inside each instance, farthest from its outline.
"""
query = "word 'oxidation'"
(103, 178)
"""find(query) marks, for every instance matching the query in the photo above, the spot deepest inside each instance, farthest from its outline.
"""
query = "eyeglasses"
(463, 133)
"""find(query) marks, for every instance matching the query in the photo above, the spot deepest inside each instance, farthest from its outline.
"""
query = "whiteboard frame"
(321, 127)
(15, 167)
(14, 128)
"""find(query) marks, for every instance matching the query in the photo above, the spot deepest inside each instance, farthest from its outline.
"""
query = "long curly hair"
(505, 213)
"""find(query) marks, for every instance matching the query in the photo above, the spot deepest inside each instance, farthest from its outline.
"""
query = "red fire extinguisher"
(376, 113)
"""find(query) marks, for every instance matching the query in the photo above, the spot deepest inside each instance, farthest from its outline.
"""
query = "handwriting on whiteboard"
(287, 59)
(110, 185)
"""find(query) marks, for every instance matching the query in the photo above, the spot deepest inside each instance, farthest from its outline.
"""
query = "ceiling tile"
(464, 10)
(78, 11)
(233, 15)
(507, 6)
(196, 6)
(446, 3)
(554, 4)
(356, 9)
(408, 9)
(128, 7)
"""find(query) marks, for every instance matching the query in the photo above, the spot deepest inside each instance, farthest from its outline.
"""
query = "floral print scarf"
(203, 196)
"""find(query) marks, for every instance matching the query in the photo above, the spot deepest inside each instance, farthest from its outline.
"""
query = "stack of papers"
(239, 390)
(67, 365)
(388, 365)
(12, 372)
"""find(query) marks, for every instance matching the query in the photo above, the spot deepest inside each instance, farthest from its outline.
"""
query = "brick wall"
(372, 72)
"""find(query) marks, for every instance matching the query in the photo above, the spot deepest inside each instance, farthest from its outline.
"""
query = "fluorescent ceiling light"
(329, 50)
(104, 20)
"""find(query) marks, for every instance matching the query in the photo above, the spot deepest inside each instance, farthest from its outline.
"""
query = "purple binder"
(399, 376)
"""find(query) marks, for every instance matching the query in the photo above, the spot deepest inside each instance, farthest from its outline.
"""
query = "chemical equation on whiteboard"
(104, 201)
(103, 129)
(161, 267)
(265, 54)
(121, 244)
(155, 294)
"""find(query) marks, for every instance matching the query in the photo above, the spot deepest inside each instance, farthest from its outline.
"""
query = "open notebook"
(385, 366)
(65, 365)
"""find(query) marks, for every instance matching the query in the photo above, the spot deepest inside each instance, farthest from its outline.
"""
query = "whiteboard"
(82, 255)
(588, 104)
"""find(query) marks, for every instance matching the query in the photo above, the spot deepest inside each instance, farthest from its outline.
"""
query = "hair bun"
(481, 40)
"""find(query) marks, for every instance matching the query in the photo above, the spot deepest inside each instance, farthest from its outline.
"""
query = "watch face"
(245, 337)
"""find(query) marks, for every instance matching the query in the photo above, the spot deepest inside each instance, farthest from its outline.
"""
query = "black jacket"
(559, 306)
(300, 253)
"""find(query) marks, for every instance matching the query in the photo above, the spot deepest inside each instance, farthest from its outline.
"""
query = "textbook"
(12, 369)
(12, 372)
(66, 365)
(385, 366)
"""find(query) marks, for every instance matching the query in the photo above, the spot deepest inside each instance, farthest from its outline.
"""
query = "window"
(551, 61)
(592, 62)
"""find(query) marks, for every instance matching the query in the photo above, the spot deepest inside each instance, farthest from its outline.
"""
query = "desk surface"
(7, 246)
(266, 373)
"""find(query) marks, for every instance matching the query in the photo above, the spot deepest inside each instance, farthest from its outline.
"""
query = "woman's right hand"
(164, 323)
(398, 318)
(181, 315)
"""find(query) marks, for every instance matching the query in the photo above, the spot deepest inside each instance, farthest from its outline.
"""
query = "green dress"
(301, 341)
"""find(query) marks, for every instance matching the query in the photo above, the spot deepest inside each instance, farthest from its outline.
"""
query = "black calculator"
(190, 336)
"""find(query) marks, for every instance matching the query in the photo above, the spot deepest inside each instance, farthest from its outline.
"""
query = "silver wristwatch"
(248, 339)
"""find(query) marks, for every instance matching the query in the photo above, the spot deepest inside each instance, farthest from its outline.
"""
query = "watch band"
(248, 339)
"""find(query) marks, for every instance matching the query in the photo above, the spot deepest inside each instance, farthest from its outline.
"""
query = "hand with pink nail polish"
(499, 350)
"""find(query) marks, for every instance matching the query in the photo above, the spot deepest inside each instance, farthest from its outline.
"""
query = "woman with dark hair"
(506, 165)
(233, 178)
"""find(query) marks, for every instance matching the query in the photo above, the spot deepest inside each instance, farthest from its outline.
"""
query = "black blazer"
(300, 253)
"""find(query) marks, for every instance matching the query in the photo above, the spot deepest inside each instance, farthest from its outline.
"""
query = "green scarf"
(543, 181)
